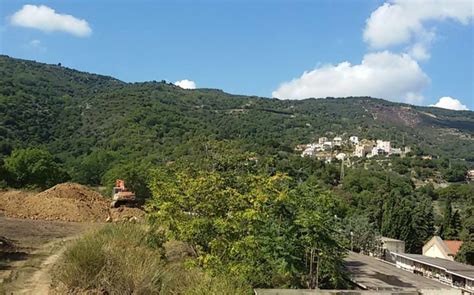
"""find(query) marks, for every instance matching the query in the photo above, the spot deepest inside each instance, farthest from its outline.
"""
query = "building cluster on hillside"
(436, 262)
(327, 149)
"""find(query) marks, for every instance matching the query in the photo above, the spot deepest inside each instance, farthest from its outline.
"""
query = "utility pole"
(342, 170)
(352, 241)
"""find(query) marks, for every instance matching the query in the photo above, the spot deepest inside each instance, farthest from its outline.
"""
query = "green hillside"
(71, 113)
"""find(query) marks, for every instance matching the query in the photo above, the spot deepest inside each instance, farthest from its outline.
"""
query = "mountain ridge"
(72, 113)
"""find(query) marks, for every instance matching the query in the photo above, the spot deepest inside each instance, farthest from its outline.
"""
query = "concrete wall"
(435, 251)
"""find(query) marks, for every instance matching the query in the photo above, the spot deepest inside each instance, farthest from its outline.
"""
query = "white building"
(327, 145)
(384, 145)
(354, 140)
(337, 141)
(361, 150)
(454, 274)
(377, 151)
(341, 156)
(445, 249)
(321, 140)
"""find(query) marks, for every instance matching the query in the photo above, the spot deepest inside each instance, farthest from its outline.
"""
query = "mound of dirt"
(66, 202)
(127, 214)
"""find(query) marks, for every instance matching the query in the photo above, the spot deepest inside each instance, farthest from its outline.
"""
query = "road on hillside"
(379, 275)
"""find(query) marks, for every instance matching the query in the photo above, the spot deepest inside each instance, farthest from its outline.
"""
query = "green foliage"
(451, 223)
(257, 227)
(391, 205)
(455, 173)
(91, 168)
(127, 259)
(135, 174)
(33, 167)
(74, 114)
(466, 253)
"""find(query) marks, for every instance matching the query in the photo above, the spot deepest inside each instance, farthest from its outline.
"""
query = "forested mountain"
(229, 161)
(71, 113)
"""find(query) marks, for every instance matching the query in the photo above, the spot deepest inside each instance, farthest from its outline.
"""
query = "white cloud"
(35, 43)
(186, 84)
(405, 21)
(447, 102)
(382, 74)
(46, 19)
(419, 52)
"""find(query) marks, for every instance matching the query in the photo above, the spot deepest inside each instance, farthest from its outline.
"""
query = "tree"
(33, 167)
(91, 168)
(136, 176)
(451, 224)
(266, 229)
(466, 253)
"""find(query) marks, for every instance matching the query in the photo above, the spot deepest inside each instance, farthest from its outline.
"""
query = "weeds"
(126, 259)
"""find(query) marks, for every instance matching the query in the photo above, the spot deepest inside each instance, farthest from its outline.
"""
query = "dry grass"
(124, 259)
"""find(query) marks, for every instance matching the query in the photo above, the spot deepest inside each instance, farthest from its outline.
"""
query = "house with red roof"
(445, 249)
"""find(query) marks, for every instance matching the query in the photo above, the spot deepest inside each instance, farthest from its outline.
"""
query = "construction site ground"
(35, 229)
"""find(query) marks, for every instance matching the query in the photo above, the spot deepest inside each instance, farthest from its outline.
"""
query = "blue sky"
(260, 47)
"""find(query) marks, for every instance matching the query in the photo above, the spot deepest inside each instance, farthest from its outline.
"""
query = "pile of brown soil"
(127, 214)
(66, 202)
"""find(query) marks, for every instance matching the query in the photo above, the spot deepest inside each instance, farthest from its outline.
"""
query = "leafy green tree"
(451, 224)
(91, 168)
(456, 173)
(259, 227)
(136, 176)
(33, 167)
(360, 234)
(466, 253)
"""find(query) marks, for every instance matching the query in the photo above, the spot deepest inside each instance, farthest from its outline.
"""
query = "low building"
(301, 147)
(388, 246)
(337, 141)
(445, 249)
(341, 156)
(327, 145)
(321, 140)
(448, 272)
(361, 150)
(377, 151)
(384, 145)
(470, 175)
(354, 140)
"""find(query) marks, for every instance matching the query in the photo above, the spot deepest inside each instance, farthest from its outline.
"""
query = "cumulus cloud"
(382, 74)
(419, 52)
(35, 43)
(48, 20)
(405, 21)
(447, 102)
(186, 84)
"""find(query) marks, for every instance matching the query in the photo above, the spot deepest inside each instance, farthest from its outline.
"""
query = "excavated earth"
(36, 227)
(65, 202)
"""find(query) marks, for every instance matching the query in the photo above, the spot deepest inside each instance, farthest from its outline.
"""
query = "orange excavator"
(121, 195)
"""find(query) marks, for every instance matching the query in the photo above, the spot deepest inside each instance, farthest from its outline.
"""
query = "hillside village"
(341, 149)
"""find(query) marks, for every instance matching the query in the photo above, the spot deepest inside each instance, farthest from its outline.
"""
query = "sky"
(413, 51)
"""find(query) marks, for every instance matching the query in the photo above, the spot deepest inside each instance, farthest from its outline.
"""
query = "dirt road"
(26, 269)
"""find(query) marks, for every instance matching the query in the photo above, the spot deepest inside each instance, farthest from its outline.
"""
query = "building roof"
(387, 239)
(453, 246)
(436, 240)
(453, 267)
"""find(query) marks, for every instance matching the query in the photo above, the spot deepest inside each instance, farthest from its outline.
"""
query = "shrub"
(117, 258)
(124, 259)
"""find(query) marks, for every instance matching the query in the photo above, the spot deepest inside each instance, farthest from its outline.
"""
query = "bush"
(124, 259)
(117, 258)
(33, 167)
